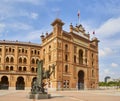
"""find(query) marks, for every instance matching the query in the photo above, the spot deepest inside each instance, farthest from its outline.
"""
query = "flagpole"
(78, 20)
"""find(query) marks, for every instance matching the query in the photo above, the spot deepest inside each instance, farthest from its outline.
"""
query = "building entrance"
(4, 84)
(20, 84)
(80, 80)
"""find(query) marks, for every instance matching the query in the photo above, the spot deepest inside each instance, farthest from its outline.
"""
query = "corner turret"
(57, 26)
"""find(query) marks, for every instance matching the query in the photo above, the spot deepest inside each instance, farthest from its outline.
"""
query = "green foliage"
(110, 84)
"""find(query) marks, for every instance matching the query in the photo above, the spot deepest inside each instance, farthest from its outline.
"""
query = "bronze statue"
(38, 84)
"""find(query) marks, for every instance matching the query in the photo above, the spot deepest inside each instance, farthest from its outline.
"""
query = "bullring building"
(74, 54)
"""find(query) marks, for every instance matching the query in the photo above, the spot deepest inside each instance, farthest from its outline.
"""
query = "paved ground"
(86, 95)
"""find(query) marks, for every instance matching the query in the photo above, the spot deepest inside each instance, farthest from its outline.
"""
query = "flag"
(78, 13)
(78, 17)
(93, 32)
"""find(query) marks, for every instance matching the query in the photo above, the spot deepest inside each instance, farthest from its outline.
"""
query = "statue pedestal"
(39, 96)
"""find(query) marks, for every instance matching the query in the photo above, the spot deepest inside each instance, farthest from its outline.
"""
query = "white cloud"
(8, 8)
(19, 26)
(2, 28)
(104, 7)
(34, 15)
(23, 1)
(35, 35)
(35, 2)
(5, 29)
(110, 27)
(106, 71)
(105, 52)
(114, 65)
(30, 35)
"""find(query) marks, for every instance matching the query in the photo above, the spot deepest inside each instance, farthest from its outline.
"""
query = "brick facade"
(74, 55)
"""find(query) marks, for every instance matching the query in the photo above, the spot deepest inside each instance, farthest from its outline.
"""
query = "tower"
(57, 26)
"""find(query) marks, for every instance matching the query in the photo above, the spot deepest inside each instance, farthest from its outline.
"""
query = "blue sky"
(25, 20)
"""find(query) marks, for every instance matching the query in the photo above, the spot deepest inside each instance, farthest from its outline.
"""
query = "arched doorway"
(20, 84)
(4, 84)
(80, 80)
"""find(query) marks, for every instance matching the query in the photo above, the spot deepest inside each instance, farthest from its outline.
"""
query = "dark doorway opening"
(80, 80)
(4, 84)
(20, 84)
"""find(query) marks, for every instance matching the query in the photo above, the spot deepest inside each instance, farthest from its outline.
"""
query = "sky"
(26, 20)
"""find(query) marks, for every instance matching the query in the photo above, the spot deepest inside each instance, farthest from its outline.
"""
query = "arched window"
(66, 68)
(38, 52)
(37, 61)
(20, 60)
(12, 59)
(80, 57)
(20, 68)
(86, 61)
(33, 61)
(0, 59)
(22, 50)
(92, 73)
(66, 47)
(24, 60)
(35, 51)
(74, 58)
(66, 57)
(7, 68)
(13, 50)
(25, 51)
(7, 59)
(0, 50)
(9, 49)
(32, 69)
(92, 55)
(50, 48)
(24, 69)
(92, 63)
(19, 50)
(32, 52)
(11, 68)
(6, 50)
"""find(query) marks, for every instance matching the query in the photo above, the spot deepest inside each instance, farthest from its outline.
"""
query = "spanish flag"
(93, 32)
(78, 14)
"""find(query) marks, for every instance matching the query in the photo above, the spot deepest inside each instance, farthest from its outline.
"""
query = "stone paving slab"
(86, 95)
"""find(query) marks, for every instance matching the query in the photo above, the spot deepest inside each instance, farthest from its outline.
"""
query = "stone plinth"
(39, 96)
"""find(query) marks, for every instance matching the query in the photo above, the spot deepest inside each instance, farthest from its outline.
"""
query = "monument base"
(39, 96)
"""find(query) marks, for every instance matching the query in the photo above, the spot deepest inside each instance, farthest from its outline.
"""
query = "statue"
(38, 84)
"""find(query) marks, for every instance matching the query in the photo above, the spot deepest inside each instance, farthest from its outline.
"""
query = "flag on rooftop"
(93, 32)
(78, 13)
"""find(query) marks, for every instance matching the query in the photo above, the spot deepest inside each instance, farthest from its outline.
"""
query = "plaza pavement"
(84, 95)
